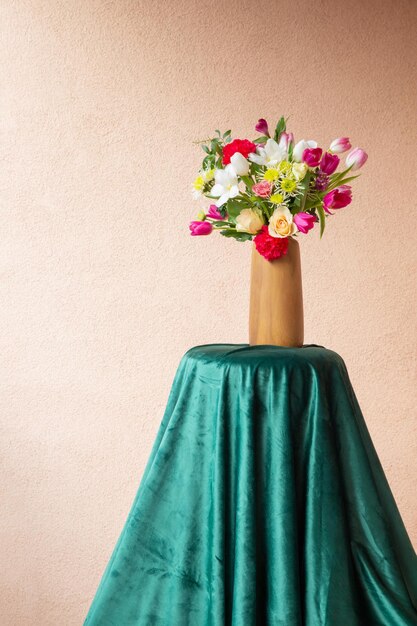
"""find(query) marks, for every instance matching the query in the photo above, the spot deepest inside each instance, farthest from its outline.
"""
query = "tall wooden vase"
(276, 299)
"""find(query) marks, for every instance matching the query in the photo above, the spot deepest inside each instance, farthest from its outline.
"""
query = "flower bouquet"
(272, 188)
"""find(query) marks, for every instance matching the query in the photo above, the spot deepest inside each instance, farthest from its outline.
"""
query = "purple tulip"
(356, 158)
(262, 127)
(304, 221)
(200, 228)
(337, 198)
(312, 156)
(214, 213)
(329, 163)
(341, 144)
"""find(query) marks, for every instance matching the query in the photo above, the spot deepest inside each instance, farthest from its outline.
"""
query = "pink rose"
(329, 163)
(312, 156)
(341, 144)
(337, 198)
(262, 189)
(200, 228)
(304, 221)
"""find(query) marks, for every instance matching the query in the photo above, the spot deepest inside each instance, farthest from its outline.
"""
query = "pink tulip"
(262, 127)
(200, 228)
(214, 213)
(337, 198)
(312, 156)
(304, 221)
(341, 144)
(262, 189)
(356, 158)
(329, 163)
(286, 140)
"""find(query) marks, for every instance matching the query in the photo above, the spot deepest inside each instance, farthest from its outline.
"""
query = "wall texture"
(102, 289)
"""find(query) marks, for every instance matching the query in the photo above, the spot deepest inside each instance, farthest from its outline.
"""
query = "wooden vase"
(276, 299)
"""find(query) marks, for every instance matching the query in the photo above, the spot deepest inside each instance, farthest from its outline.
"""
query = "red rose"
(244, 146)
(270, 247)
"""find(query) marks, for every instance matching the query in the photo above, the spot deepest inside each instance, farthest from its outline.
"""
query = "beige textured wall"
(102, 289)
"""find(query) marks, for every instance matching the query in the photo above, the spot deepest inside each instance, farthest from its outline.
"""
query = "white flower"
(299, 148)
(249, 221)
(271, 154)
(281, 223)
(240, 164)
(226, 185)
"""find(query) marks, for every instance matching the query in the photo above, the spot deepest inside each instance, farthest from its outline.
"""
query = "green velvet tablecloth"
(263, 503)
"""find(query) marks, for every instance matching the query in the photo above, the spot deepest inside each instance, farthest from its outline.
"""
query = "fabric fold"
(263, 503)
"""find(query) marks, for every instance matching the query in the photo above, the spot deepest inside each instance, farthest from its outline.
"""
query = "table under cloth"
(263, 503)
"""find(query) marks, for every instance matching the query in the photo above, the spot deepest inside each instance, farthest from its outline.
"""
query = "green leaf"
(248, 182)
(207, 162)
(300, 200)
(322, 219)
(231, 232)
(280, 127)
(234, 207)
(227, 133)
(347, 180)
(262, 139)
(219, 223)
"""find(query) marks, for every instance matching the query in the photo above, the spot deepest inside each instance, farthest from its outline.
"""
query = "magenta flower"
(304, 221)
(356, 158)
(312, 156)
(262, 189)
(341, 144)
(200, 228)
(329, 163)
(214, 213)
(337, 198)
(262, 127)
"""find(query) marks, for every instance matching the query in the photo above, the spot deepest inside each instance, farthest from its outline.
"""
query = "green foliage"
(280, 128)
(248, 182)
(231, 232)
(322, 219)
(262, 139)
(213, 148)
(300, 200)
(234, 207)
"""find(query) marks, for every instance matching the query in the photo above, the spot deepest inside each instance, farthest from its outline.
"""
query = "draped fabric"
(263, 503)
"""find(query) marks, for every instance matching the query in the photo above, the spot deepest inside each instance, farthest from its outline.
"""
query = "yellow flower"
(198, 184)
(276, 198)
(271, 175)
(299, 170)
(288, 185)
(284, 167)
(207, 175)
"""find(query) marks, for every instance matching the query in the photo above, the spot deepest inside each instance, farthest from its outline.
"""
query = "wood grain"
(276, 314)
